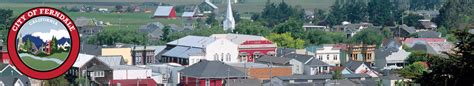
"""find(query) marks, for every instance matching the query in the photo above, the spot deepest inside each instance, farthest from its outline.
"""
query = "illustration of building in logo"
(45, 43)
(46, 48)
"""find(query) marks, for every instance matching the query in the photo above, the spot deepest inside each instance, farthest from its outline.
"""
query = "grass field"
(44, 65)
(38, 64)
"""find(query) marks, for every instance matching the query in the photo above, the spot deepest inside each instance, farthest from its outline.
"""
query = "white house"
(329, 55)
(191, 49)
(359, 67)
(64, 46)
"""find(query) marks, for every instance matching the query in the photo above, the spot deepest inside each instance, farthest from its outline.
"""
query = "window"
(327, 57)
(222, 56)
(335, 57)
(208, 82)
(320, 57)
(216, 56)
(228, 57)
(138, 59)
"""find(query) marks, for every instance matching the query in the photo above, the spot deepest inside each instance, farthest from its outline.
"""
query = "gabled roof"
(299, 57)
(273, 59)
(353, 65)
(210, 4)
(211, 69)
(90, 49)
(429, 34)
(82, 59)
(316, 62)
(112, 60)
(163, 11)
(127, 67)
(284, 51)
(183, 52)
(410, 30)
(188, 14)
(193, 41)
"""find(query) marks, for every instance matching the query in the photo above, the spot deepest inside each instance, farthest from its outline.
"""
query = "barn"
(168, 12)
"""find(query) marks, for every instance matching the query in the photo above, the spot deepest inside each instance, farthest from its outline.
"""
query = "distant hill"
(37, 40)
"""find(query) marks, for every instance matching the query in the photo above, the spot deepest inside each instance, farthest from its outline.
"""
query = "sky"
(44, 27)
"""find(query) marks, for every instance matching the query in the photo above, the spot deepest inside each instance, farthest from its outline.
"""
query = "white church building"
(229, 22)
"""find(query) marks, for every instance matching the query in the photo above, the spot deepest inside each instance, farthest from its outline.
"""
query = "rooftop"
(238, 38)
(163, 11)
(82, 59)
(112, 60)
(193, 41)
(211, 69)
(183, 52)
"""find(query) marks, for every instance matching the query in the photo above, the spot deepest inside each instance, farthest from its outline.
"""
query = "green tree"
(58, 81)
(113, 36)
(456, 14)
(381, 12)
(285, 40)
(54, 45)
(5, 21)
(211, 20)
(292, 26)
(319, 16)
(418, 56)
(166, 32)
(336, 15)
(412, 19)
(236, 15)
(251, 28)
(337, 75)
(368, 36)
(413, 71)
(28, 45)
(458, 68)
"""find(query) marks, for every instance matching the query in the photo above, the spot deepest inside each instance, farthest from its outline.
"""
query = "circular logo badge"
(43, 43)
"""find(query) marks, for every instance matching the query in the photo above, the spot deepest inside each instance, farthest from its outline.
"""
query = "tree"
(412, 19)
(211, 20)
(381, 12)
(236, 15)
(251, 28)
(292, 26)
(457, 69)
(425, 4)
(368, 36)
(319, 16)
(336, 16)
(413, 71)
(166, 32)
(355, 11)
(54, 45)
(113, 36)
(285, 40)
(58, 81)
(455, 14)
(418, 56)
(5, 21)
(337, 75)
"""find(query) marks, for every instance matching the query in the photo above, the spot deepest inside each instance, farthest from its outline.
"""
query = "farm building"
(165, 12)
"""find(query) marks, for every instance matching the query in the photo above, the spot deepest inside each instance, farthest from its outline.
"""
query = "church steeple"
(229, 22)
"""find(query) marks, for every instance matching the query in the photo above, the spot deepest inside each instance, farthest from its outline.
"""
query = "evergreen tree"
(54, 45)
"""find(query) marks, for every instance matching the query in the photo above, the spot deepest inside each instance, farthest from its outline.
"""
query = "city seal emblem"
(43, 43)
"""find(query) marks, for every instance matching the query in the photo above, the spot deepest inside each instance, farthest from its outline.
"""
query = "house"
(87, 26)
(391, 55)
(191, 49)
(166, 74)
(351, 29)
(403, 31)
(307, 64)
(359, 67)
(438, 48)
(428, 34)
(112, 60)
(10, 76)
(79, 68)
(153, 30)
(168, 12)
(143, 55)
(250, 46)
(360, 52)
(119, 74)
(307, 26)
(263, 71)
(5, 58)
(123, 50)
(312, 80)
(90, 49)
(425, 25)
(412, 41)
(209, 73)
(208, 7)
(342, 69)
(328, 54)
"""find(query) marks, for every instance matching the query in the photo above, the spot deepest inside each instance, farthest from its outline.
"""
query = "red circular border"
(75, 44)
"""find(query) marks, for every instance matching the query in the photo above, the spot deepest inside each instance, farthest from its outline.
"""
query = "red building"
(250, 46)
(165, 12)
(47, 48)
(209, 73)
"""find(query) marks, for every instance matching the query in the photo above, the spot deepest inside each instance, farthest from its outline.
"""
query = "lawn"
(61, 56)
(38, 64)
